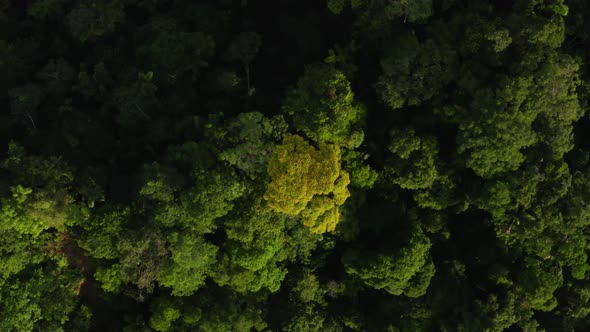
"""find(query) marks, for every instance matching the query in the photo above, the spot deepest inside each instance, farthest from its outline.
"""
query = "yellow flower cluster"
(308, 182)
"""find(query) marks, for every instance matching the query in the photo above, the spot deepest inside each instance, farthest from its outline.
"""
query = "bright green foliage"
(44, 301)
(101, 231)
(17, 252)
(141, 257)
(196, 207)
(190, 261)
(46, 200)
(163, 320)
(301, 240)
(309, 318)
(109, 278)
(307, 309)
(361, 174)
(543, 31)
(14, 216)
(419, 283)
(539, 283)
(307, 181)
(501, 39)
(253, 254)
(322, 106)
(412, 165)
(213, 192)
(173, 314)
(255, 237)
(309, 289)
(243, 280)
(407, 271)
(159, 184)
(33, 270)
(211, 199)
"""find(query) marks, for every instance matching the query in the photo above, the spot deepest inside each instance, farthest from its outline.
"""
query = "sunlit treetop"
(307, 181)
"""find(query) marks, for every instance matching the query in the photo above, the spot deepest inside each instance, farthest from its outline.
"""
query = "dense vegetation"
(290, 165)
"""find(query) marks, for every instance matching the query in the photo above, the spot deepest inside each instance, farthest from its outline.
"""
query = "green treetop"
(322, 106)
(406, 271)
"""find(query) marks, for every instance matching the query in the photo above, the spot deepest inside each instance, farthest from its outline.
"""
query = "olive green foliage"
(254, 253)
(413, 71)
(337, 165)
(34, 267)
(191, 259)
(413, 163)
(322, 106)
(406, 271)
(248, 141)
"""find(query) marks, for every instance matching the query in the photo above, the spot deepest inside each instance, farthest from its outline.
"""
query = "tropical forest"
(295, 165)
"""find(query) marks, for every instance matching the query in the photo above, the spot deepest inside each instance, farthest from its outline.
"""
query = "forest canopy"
(294, 165)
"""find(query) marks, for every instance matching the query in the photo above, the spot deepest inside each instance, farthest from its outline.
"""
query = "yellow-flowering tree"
(307, 182)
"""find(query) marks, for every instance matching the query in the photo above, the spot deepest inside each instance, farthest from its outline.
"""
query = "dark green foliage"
(171, 52)
(297, 165)
(413, 163)
(247, 142)
(93, 18)
(323, 107)
(407, 270)
(413, 72)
